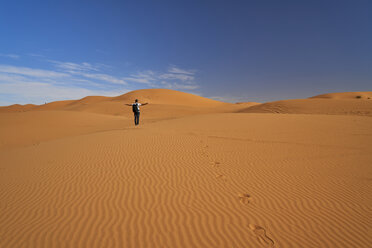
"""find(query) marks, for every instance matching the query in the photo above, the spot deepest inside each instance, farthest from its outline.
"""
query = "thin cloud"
(174, 69)
(69, 66)
(76, 80)
(104, 77)
(174, 78)
(61, 81)
(137, 80)
(178, 86)
(181, 77)
(16, 88)
(12, 56)
(31, 72)
(87, 70)
(144, 77)
(38, 93)
(35, 55)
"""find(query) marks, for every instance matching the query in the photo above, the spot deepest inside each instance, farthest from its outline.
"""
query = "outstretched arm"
(145, 103)
(128, 104)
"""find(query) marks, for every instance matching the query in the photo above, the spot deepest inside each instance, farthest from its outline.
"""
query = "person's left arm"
(144, 103)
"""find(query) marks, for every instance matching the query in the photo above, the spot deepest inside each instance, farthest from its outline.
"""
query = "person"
(136, 110)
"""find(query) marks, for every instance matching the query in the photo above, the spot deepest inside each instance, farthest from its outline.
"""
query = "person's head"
(136, 100)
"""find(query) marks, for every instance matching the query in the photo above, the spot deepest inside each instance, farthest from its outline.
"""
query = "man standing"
(136, 110)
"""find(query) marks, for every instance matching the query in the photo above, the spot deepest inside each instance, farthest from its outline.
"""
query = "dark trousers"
(136, 118)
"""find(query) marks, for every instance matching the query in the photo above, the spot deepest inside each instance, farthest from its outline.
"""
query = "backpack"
(135, 108)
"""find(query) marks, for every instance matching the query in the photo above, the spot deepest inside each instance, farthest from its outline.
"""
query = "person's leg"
(138, 116)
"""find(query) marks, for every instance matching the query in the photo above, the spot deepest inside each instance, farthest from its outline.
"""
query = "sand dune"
(347, 95)
(331, 104)
(16, 108)
(166, 96)
(33, 127)
(207, 179)
(247, 104)
(169, 103)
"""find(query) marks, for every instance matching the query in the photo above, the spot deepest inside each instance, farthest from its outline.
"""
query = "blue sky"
(227, 50)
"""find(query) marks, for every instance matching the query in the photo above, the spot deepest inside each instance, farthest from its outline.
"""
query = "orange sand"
(195, 173)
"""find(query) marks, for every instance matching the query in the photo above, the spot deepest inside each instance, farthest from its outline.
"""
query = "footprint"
(216, 164)
(223, 177)
(260, 232)
(244, 198)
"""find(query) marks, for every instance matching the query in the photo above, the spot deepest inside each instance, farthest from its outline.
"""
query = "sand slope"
(33, 127)
(220, 180)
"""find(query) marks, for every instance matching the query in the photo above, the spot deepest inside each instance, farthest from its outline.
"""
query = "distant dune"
(348, 103)
(16, 108)
(346, 95)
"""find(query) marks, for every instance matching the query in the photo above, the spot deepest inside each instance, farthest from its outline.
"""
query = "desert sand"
(195, 172)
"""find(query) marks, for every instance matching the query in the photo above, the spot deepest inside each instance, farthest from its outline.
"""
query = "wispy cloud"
(179, 79)
(38, 93)
(144, 77)
(30, 71)
(25, 89)
(138, 80)
(182, 77)
(104, 77)
(88, 70)
(74, 66)
(174, 78)
(174, 69)
(178, 86)
(35, 55)
(12, 56)
(70, 80)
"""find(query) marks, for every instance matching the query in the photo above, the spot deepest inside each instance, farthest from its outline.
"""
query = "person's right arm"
(128, 104)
